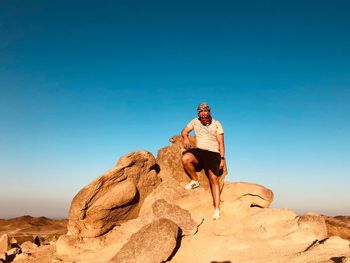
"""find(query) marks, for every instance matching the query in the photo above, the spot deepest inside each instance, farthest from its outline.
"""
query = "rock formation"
(250, 193)
(113, 197)
(29, 239)
(154, 242)
(248, 231)
(139, 212)
(4, 243)
(182, 217)
(315, 224)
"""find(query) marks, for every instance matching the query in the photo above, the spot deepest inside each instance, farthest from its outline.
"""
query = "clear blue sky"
(83, 83)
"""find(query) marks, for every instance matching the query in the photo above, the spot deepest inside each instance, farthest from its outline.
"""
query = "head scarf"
(202, 107)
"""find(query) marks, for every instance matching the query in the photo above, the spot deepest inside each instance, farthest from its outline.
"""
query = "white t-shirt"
(206, 135)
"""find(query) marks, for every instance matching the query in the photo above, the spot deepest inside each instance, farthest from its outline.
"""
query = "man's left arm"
(220, 138)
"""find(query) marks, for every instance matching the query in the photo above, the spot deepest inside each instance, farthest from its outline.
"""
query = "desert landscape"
(138, 211)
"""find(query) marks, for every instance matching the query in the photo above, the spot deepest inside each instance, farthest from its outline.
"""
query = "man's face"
(204, 114)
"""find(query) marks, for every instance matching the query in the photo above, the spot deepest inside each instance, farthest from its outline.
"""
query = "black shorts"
(207, 160)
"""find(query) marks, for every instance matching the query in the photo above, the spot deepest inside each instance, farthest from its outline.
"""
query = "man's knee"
(187, 158)
(213, 178)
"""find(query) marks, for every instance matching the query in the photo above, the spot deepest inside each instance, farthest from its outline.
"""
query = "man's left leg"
(215, 191)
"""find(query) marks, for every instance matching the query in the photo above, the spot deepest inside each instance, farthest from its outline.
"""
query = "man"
(209, 153)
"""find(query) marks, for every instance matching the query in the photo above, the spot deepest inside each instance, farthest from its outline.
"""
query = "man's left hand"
(222, 165)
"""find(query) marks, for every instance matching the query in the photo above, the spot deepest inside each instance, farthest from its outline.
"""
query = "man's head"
(202, 107)
(203, 111)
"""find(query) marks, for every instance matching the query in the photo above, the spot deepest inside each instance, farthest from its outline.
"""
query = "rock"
(129, 215)
(4, 243)
(337, 242)
(182, 217)
(271, 223)
(153, 243)
(24, 238)
(315, 224)
(13, 241)
(340, 259)
(169, 190)
(41, 254)
(334, 248)
(113, 197)
(338, 226)
(2, 257)
(170, 161)
(12, 253)
(68, 245)
(48, 239)
(249, 193)
(37, 240)
(27, 246)
(23, 258)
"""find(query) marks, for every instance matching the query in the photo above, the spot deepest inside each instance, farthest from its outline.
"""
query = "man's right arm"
(186, 140)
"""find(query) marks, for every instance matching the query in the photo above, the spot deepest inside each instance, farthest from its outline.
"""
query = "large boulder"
(170, 190)
(4, 243)
(250, 193)
(315, 224)
(182, 217)
(153, 243)
(170, 161)
(27, 246)
(113, 197)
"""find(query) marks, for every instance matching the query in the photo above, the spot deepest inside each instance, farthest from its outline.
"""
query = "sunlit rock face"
(169, 159)
(113, 197)
(139, 211)
(154, 242)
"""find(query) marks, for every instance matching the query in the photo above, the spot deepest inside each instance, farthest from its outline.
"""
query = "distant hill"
(338, 226)
(26, 227)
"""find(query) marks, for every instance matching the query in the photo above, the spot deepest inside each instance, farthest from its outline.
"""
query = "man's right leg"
(189, 163)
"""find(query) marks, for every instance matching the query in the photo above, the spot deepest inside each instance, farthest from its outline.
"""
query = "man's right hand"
(186, 140)
(187, 143)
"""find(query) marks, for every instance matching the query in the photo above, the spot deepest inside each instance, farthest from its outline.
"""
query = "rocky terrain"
(26, 233)
(139, 212)
(25, 227)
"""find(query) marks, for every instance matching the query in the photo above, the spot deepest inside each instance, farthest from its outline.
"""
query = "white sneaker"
(192, 185)
(216, 214)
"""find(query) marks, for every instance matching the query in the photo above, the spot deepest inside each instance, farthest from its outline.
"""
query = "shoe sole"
(192, 187)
